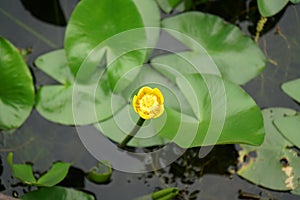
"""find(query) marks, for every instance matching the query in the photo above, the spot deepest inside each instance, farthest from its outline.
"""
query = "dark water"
(42, 142)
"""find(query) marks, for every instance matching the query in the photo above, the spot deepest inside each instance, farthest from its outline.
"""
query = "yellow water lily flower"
(148, 103)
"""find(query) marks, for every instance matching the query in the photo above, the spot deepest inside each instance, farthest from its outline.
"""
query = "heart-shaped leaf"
(73, 103)
(274, 164)
(224, 114)
(16, 88)
(216, 48)
(117, 127)
(198, 111)
(120, 41)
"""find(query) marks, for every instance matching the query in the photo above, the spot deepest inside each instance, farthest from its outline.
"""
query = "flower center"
(147, 103)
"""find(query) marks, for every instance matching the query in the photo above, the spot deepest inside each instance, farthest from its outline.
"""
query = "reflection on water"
(42, 142)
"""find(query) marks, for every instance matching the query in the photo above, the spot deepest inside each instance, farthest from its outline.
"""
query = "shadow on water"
(30, 24)
(48, 11)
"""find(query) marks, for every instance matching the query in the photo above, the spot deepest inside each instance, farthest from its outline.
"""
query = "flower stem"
(133, 132)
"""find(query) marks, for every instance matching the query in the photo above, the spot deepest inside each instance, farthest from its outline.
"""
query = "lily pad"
(224, 114)
(16, 88)
(119, 39)
(274, 164)
(198, 111)
(57, 193)
(117, 127)
(216, 48)
(292, 89)
(71, 102)
(269, 8)
(289, 127)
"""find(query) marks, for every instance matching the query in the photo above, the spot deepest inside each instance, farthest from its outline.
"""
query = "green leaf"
(224, 114)
(292, 89)
(73, 102)
(120, 125)
(168, 5)
(198, 111)
(57, 193)
(269, 8)
(274, 164)
(111, 37)
(216, 48)
(165, 194)
(16, 87)
(295, 1)
(55, 175)
(150, 14)
(101, 173)
(288, 127)
(23, 172)
(55, 65)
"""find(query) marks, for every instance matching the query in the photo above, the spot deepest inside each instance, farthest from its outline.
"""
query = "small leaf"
(23, 172)
(269, 8)
(292, 89)
(55, 175)
(165, 194)
(101, 173)
(16, 87)
(57, 193)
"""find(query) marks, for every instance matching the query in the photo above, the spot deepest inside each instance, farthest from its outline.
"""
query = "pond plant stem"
(137, 127)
